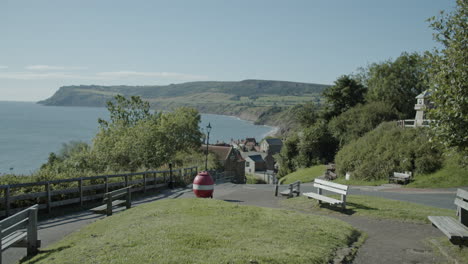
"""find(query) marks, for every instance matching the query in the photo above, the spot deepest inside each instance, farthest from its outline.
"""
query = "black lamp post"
(208, 130)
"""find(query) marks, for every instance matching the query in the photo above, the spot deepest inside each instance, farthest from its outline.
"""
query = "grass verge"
(252, 179)
(203, 231)
(304, 175)
(368, 206)
(453, 253)
(450, 175)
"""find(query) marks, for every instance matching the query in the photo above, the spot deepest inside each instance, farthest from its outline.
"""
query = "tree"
(398, 82)
(305, 114)
(449, 78)
(346, 93)
(126, 112)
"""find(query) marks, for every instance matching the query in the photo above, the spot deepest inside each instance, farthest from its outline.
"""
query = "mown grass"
(304, 175)
(203, 231)
(368, 206)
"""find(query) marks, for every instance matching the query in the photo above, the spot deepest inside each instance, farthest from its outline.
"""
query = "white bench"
(20, 230)
(294, 188)
(456, 231)
(397, 177)
(331, 187)
(111, 202)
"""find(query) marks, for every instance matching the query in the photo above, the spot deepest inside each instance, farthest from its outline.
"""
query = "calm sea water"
(29, 132)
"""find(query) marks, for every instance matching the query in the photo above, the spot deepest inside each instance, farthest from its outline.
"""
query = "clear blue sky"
(45, 44)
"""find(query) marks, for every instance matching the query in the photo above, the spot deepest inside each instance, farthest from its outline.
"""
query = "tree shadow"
(43, 255)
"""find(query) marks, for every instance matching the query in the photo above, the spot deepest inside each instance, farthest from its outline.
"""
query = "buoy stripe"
(203, 187)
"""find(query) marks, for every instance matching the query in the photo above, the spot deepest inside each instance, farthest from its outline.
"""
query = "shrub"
(386, 149)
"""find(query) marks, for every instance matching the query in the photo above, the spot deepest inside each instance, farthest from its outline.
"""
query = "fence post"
(276, 189)
(80, 187)
(106, 184)
(32, 232)
(170, 176)
(49, 198)
(7, 201)
(154, 180)
(144, 183)
(126, 180)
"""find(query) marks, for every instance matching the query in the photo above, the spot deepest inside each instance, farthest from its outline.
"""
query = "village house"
(271, 145)
(230, 159)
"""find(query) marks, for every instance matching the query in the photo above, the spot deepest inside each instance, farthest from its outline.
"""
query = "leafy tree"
(316, 145)
(449, 78)
(126, 112)
(286, 157)
(305, 114)
(359, 120)
(346, 93)
(398, 82)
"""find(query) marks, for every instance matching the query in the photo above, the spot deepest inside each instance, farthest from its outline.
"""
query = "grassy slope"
(372, 207)
(451, 175)
(203, 231)
(304, 175)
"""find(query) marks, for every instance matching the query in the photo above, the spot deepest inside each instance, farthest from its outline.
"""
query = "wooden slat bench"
(294, 188)
(20, 230)
(400, 177)
(111, 201)
(331, 187)
(456, 231)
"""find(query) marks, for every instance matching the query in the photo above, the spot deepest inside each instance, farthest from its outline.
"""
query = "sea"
(29, 131)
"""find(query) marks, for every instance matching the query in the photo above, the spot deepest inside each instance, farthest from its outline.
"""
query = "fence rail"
(64, 192)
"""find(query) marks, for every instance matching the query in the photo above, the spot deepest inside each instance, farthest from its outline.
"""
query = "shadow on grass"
(233, 201)
(44, 254)
(350, 210)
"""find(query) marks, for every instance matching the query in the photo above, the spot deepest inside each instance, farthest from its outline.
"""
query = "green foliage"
(286, 158)
(305, 114)
(359, 120)
(252, 179)
(316, 145)
(387, 149)
(452, 174)
(398, 82)
(449, 78)
(346, 93)
(312, 145)
(203, 231)
(126, 112)
(304, 175)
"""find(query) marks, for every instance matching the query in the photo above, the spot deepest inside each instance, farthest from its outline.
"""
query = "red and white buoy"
(203, 185)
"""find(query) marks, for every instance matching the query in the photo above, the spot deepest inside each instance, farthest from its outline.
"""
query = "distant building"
(271, 145)
(422, 104)
(230, 159)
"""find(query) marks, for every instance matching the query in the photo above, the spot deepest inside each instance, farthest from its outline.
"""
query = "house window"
(247, 164)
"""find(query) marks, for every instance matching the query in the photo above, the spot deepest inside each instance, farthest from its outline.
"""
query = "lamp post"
(208, 130)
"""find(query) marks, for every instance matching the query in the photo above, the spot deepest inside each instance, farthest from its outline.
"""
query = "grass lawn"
(304, 175)
(451, 175)
(371, 206)
(360, 182)
(203, 231)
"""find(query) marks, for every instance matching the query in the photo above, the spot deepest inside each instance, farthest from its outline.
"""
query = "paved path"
(401, 242)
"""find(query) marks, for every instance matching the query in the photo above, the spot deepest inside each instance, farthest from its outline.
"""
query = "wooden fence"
(50, 194)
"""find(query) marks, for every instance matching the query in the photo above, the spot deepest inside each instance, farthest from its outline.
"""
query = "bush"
(359, 120)
(386, 149)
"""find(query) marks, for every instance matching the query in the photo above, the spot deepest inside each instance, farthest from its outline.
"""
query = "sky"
(46, 44)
